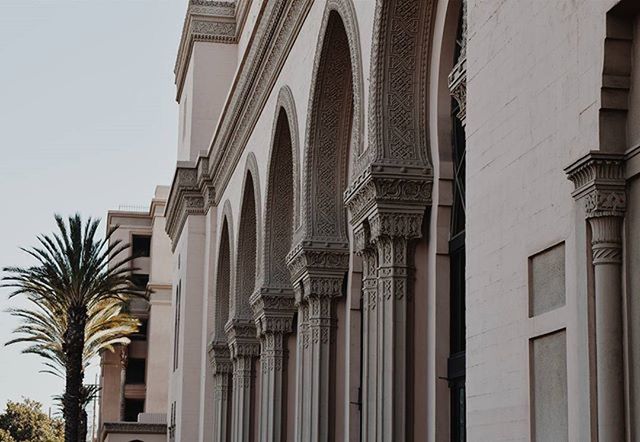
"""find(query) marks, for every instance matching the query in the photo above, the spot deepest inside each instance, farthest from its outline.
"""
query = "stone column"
(393, 234)
(220, 358)
(370, 378)
(318, 271)
(244, 348)
(600, 184)
(273, 312)
(386, 212)
(302, 369)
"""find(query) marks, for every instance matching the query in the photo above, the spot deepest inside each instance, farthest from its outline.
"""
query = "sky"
(88, 122)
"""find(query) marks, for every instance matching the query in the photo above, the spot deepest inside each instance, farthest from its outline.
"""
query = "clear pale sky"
(88, 121)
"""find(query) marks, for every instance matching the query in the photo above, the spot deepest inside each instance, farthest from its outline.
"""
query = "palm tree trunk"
(73, 348)
(83, 425)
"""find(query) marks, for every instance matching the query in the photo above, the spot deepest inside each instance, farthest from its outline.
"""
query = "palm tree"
(74, 274)
(108, 325)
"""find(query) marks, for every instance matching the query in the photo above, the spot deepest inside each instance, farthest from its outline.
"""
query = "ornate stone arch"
(398, 133)
(335, 117)
(247, 269)
(282, 193)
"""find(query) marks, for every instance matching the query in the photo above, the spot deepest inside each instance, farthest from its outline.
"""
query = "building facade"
(406, 220)
(134, 379)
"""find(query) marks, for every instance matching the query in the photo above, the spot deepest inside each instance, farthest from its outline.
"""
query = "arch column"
(273, 312)
(244, 348)
(222, 368)
(318, 270)
(387, 212)
(600, 184)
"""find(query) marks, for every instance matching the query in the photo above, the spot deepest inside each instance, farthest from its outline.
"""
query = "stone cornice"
(192, 193)
(206, 20)
(185, 199)
(132, 427)
(599, 180)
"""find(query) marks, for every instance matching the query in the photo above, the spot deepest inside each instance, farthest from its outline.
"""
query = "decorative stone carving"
(399, 66)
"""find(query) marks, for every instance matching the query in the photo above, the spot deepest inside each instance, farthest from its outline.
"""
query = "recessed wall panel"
(549, 388)
(547, 280)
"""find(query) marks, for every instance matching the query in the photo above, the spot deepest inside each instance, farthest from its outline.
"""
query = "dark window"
(141, 245)
(140, 280)
(456, 363)
(135, 373)
(176, 328)
(141, 334)
(133, 407)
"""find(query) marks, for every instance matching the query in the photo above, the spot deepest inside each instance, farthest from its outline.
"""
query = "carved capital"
(458, 88)
(458, 75)
(273, 310)
(311, 258)
(388, 188)
(600, 183)
(395, 225)
(242, 338)
(220, 357)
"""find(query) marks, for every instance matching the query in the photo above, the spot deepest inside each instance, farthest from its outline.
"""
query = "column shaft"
(607, 261)
(222, 393)
(320, 325)
(242, 391)
(392, 289)
(369, 344)
(273, 404)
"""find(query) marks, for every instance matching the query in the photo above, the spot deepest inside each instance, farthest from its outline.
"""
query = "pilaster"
(600, 186)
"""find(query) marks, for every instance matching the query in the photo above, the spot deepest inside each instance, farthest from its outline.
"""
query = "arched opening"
(223, 285)
(246, 260)
(219, 348)
(240, 329)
